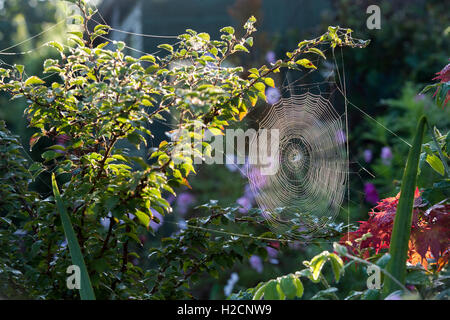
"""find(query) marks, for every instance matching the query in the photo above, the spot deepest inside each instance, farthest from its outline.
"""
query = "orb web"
(306, 191)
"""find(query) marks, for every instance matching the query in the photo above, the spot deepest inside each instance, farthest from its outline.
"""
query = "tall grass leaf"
(403, 217)
(86, 291)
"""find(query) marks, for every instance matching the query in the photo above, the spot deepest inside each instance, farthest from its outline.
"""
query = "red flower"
(430, 235)
(443, 76)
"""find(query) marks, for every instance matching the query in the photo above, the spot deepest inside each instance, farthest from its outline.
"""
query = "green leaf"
(57, 45)
(403, 217)
(135, 138)
(50, 155)
(269, 82)
(216, 131)
(205, 36)
(148, 58)
(260, 86)
(317, 51)
(240, 47)
(436, 164)
(325, 294)
(229, 30)
(288, 286)
(143, 218)
(299, 286)
(384, 260)
(86, 291)
(270, 291)
(306, 63)
(101, 27)
(259, 293)
(166, 46)
(371, 294)
(417, 277)
(19, 68)
(33, 80)
(337, 265)
(317, 264)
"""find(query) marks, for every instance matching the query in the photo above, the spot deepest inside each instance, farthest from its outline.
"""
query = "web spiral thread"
(309, 186)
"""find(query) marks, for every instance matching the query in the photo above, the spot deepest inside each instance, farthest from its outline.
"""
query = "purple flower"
(256, 263)
(368, 155)
(233, 165)
(248, 193)
(228, 289)
(271, 252)
(273, 95)
(259, 180)
(156, 225)
(245, 203)
(340, 136)
(182, 224)
(270, 57)
(386, 155)
(371, 194)
(394, 296)
(419, 97)
(184, 200)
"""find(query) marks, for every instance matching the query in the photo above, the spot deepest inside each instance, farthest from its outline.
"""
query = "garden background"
(385, 80)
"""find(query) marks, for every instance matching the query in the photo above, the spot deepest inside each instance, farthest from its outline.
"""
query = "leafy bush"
(95, 117)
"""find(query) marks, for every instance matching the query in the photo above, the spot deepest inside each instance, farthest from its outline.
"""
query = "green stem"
(324, 282)
(403, 217)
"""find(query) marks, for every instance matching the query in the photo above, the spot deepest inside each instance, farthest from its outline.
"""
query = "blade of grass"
(86, 291)
(403, 217)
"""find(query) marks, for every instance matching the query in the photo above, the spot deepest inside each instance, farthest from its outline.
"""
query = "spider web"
(307, 190)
